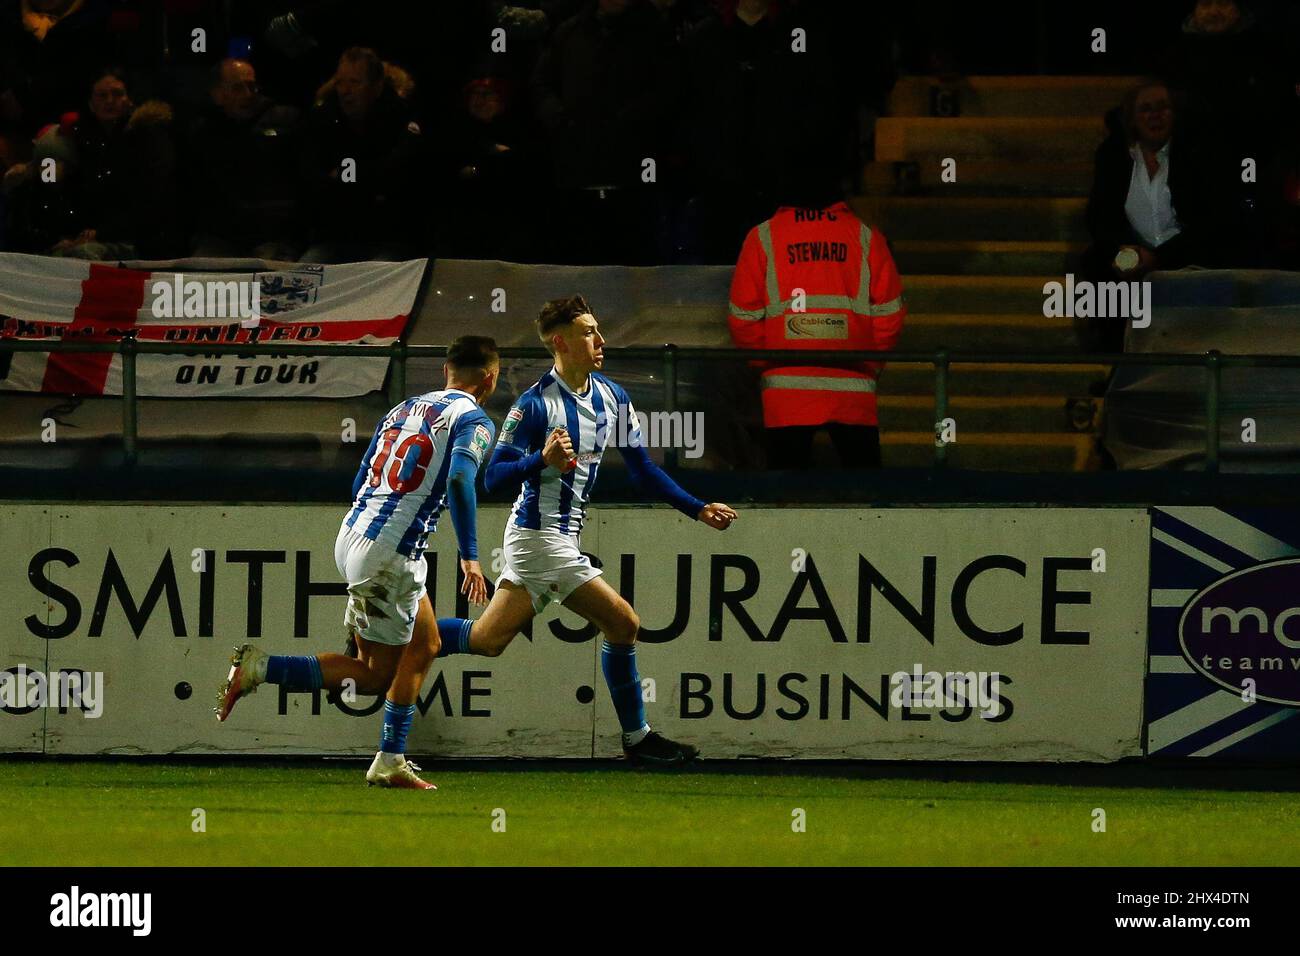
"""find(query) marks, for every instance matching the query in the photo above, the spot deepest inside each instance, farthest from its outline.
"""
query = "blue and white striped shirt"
(401, 486)
(557, 500)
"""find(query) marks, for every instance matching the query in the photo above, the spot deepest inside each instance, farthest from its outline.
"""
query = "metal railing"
(941, 359)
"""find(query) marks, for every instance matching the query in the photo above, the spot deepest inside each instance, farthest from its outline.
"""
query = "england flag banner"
(43, 298)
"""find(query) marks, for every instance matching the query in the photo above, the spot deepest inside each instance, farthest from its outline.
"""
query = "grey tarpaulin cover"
(1156, 416)
(682, 305)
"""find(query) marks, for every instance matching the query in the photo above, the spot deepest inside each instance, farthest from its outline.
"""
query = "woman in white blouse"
(1144, 211)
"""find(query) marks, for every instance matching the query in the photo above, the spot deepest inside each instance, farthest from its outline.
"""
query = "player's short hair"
(559, 312)
(472, 353)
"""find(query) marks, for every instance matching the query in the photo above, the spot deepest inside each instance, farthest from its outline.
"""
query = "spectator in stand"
(750, 103)
(240, 169)
(1229, 68)
(601, 92)
(1231, 72)
(359, 160)
(682, 16)
(121, 177)
(38, 201)
(440, 41)
(492, 179)
(1146, 207)
(527, 31)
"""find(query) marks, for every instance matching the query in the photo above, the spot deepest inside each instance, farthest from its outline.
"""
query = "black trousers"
(790, 448)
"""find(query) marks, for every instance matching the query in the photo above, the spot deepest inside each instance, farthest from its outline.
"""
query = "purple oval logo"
(1246, 626)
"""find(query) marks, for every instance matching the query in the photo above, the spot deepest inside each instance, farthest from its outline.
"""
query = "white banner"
(50, 298)
(784, 636)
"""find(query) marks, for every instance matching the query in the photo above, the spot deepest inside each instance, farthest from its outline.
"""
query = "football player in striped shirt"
(424, 457)
(551, 447)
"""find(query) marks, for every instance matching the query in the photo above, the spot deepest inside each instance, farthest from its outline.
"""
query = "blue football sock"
(293, 673)
(397, 723)
(454, 632)
(618, 662)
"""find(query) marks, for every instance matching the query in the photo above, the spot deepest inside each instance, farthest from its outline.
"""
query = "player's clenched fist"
(717, 515)
(558, 450)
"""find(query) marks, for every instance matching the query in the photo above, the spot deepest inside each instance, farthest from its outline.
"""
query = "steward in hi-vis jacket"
(817, 279)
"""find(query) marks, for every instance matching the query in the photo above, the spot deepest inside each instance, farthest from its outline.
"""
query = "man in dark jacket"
(1230, 69)
(359, 160)
(241, 168)
(489, 179)
(750, 103)
(601, 90)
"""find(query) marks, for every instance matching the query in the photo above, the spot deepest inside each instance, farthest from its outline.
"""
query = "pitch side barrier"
(801, 632)
(126, 471)
(1056, 634)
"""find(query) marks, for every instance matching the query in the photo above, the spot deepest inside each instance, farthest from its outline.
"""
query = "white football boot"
(246, 664)
(399, 773)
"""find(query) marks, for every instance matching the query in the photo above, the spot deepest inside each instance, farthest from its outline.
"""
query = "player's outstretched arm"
(652, 479)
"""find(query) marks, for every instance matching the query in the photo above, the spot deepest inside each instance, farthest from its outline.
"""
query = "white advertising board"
(783, 636)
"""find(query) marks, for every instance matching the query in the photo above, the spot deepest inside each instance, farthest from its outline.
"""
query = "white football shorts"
(548, 564)
(384, 588)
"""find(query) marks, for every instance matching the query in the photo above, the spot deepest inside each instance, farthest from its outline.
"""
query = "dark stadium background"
(1048, 418)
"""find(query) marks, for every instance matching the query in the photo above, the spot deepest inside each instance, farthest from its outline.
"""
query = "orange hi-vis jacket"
(817, 279)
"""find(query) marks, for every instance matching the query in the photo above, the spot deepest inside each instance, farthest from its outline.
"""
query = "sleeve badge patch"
(515, 416)
(480, 442)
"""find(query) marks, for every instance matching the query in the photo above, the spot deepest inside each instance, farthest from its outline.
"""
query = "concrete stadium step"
(973, 257)
(984, 177)
(1012, 414)
(1013, 95)
(947, 294)
(1008, 139)
(1000, 378)
(975, 254)
(958, 218)
(989, 452)
(995, 332)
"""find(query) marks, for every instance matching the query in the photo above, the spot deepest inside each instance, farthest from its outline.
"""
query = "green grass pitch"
(66, 812)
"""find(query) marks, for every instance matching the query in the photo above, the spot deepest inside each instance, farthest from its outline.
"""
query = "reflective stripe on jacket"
(817, 279)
